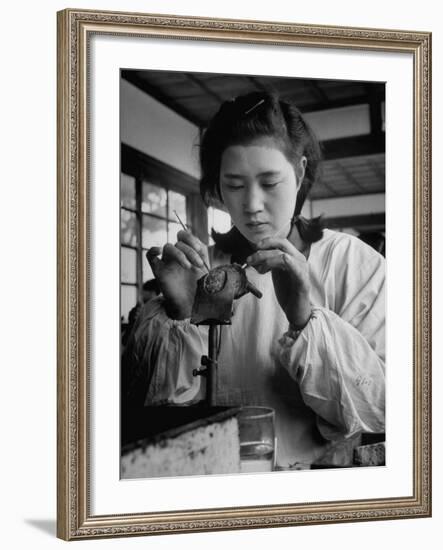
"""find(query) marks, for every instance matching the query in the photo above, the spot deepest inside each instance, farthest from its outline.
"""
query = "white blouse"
(325, 385)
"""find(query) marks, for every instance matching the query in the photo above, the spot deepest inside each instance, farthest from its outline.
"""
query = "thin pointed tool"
(187, 231)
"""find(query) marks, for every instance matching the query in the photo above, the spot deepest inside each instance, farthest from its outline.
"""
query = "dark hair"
(151, 285)
(250, 117)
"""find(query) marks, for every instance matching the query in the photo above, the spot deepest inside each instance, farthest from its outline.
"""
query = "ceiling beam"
(375, 111)
(379, 173)
(349, 177)
(377, 95)
(332, 191)
(256, 82)
(206, 89)
(354, 146)
(318, 92)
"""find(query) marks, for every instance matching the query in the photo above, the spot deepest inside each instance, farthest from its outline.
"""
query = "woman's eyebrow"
(266, 173)
(233, 176)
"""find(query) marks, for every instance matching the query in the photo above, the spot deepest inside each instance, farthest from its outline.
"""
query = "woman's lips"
(256, 226)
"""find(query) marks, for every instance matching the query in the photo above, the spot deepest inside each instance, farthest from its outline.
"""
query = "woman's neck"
(295, 239)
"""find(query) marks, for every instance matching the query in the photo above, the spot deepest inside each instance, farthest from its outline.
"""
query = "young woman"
(313, 347)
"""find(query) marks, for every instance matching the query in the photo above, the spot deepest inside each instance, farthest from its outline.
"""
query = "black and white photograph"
(252, 274)
(221, 332)
(233, 351)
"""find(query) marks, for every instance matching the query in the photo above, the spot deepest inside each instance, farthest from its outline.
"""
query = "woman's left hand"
(289, 274)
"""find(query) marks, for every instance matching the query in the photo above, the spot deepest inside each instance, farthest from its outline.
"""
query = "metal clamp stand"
(216, 292)
(210, 363)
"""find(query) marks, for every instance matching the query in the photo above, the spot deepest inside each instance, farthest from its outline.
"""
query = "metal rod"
(211, 372)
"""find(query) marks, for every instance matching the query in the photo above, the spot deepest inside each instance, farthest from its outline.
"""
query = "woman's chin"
(256, 235)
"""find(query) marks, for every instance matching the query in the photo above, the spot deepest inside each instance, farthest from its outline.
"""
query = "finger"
(280, 261)
(172, 254)
(261, 255)
(153, 252)
(194, 242)
(281, 244)
(152, 255)
(276, 261)
(190, 253)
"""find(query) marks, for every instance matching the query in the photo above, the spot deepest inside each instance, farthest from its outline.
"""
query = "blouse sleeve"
(161, 355)
(338, 358)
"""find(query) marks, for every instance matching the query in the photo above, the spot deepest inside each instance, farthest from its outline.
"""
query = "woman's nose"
(252, 201)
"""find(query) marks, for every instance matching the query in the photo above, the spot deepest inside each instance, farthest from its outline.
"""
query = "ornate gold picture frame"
(76, 518)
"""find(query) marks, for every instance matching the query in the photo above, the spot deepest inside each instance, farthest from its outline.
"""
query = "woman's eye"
(269, 184)
(233, 187)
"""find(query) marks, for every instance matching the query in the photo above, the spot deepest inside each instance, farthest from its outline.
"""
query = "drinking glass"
(257, 439)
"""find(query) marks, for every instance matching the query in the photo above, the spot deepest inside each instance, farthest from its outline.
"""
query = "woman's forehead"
(257, 155)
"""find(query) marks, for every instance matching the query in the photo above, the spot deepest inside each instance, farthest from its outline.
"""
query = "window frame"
(142, 167)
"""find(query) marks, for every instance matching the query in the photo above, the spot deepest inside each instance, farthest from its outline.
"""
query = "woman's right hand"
(177, 272)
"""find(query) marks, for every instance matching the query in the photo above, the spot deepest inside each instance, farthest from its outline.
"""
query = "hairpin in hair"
(254, 106)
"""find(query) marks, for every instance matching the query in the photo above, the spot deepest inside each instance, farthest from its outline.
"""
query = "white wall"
(340, 123)
(349, 206)
(345, 206)
(27, 403)
(154, 129)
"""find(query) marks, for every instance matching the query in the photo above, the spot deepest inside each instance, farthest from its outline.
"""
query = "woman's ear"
(300, 171)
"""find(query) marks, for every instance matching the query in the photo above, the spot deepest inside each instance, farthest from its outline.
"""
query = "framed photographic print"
(243, 274)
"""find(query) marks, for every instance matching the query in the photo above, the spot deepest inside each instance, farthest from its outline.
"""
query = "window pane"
(128, 296)
(127, 191)
(174, 228)
(177, 202)
(153, 199)
(128, 227)
(147, 271)
(128, 265)
(153, 232)
(218, 220)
